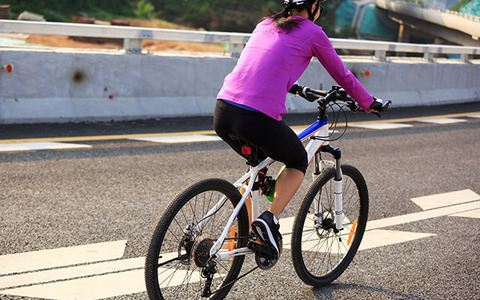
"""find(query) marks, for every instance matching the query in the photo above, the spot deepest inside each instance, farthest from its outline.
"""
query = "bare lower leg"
(285, 188)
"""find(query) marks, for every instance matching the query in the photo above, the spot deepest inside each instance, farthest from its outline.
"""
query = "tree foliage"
(144, 10)
(217, 15)
(62, 10)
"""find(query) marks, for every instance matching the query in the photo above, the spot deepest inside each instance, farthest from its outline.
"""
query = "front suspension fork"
(338, 182)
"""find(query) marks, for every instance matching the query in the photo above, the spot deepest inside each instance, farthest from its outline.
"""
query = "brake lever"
(353, 106)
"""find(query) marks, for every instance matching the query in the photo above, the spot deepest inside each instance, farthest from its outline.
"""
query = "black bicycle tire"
(297, 254)
(166, 219)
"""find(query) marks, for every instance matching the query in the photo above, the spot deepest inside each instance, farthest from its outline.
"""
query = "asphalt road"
(117, 189)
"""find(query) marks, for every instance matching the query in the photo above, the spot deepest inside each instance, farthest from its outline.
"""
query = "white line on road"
(44, 259)
(468, 214)
(91, 288)
(40, 146)
(446, 199)
(70, 272)
(443, 121)
(423, 215)
(179, 139)
(382, 126)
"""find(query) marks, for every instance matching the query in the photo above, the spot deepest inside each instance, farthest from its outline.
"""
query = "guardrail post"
(132, 46)
(428, 56)
(235, 49)
(381, 55)
(464, 58)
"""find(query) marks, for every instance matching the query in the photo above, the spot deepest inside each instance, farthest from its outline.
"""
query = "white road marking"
(446, 199)
(90, 288)
(382, 126)
(207, 137)
(37, 260)
(179, 139)
(40, 146)
(423, 215)
(380, 237)
(70, 272)
(371, 239)
(122, 277)
(468, 214)
(103, 286)
(459, 204)
(443, 121)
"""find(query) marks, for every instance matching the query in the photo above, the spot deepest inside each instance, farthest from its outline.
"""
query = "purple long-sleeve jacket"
(274, 60)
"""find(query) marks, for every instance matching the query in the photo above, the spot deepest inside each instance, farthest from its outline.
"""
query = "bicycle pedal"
(263, 253)
(255, 244)
(260, 248)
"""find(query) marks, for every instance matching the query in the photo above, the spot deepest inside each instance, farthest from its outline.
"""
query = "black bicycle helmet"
(294, 4)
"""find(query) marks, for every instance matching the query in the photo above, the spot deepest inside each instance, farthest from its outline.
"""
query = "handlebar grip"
(386, 106)
(380, 107)
(296, 89)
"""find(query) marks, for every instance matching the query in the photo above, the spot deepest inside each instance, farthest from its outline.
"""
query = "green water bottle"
(270, 197)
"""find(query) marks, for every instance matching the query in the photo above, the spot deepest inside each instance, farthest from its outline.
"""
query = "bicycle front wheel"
(180, 244)
(320, 253)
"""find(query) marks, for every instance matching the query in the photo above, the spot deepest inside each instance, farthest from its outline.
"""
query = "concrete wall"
(56, 86)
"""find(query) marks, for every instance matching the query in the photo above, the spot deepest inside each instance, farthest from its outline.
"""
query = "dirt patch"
(148, 45)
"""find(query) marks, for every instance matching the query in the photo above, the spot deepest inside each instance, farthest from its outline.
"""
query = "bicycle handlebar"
(338, 94)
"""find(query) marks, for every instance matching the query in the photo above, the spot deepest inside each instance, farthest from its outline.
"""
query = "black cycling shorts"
(274, 138)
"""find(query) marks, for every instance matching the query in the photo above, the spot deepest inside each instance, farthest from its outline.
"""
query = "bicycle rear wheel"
(177, 253)
(320, 255)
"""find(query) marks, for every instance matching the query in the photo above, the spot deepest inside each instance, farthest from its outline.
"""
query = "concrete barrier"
(65, 86)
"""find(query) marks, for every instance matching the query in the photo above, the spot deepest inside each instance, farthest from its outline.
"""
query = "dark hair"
(281, 18)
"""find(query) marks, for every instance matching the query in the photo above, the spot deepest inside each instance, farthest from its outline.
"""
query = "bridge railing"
(133, 37)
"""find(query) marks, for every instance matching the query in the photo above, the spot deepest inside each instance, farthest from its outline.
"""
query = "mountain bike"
(201, 240)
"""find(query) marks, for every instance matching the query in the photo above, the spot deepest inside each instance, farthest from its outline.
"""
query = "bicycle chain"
(233, 281)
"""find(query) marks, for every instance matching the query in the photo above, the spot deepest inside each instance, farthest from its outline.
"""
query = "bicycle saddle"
(249, 151)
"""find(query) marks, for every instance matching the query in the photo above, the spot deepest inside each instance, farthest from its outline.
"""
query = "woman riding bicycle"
(251, 102)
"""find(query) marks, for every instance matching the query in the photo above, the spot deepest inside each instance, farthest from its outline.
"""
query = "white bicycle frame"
(319, 130)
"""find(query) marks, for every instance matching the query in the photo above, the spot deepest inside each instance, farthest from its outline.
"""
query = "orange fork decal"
(350, 236)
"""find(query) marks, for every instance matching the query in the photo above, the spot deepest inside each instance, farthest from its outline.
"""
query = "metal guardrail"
(133, 37)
